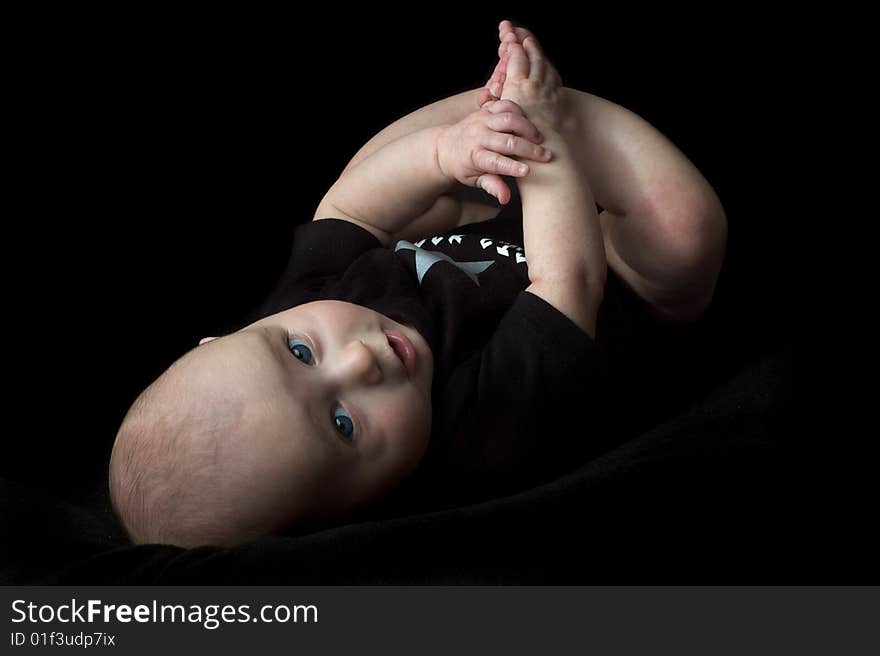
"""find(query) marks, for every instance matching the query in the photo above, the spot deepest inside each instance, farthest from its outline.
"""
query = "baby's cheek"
(418, 428)
(410, 425)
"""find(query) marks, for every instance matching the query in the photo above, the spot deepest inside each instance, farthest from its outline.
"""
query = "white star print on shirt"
(426, 259)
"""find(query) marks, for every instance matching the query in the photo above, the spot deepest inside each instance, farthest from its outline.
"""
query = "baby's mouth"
(404, 350)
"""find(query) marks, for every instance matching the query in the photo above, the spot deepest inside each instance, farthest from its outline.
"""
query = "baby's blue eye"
(301, 351)
(343, 422)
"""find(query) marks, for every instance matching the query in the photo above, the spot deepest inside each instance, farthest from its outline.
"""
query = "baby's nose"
(361, 364)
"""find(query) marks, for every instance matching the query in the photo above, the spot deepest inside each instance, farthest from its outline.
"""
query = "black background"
(168, 158)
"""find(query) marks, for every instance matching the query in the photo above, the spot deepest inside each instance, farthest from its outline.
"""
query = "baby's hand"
(527, 77)
(479, 149)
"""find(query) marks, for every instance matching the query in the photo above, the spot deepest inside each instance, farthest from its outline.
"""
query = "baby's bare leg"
(664, 228)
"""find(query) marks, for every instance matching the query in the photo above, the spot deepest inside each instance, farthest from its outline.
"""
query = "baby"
(329, 401)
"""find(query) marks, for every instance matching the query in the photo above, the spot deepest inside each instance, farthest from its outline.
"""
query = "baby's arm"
(404, 178)
(454, 208)
(442, 112)
(385, 190)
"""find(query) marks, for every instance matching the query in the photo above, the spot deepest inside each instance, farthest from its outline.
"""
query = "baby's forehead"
(246, 351)
(248, 366)
(220, 379)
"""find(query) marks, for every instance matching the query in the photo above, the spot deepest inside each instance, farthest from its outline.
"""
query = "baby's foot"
(507, 34)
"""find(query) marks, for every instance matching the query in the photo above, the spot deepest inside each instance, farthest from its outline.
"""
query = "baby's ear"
(205, 340)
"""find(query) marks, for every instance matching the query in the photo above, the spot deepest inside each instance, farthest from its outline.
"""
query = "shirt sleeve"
(529, 404)
(321, 252)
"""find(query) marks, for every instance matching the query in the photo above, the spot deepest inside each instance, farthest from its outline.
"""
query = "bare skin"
(664, 228)
(407, 177)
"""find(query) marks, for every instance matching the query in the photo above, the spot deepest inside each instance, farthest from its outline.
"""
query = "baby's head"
(299, 418)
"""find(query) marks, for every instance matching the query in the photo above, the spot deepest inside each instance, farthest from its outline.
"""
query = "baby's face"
(334, 414)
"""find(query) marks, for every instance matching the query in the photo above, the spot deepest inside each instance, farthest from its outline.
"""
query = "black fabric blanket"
(695, 496)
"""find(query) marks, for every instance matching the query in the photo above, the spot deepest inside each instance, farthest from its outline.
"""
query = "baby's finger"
(492, 162)
(505, 106)
(496, 82)
(485, 96)
(515, 124)
(518, 66)
(507, 34)
(514, 146)
(506, 40)
(495, 186)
